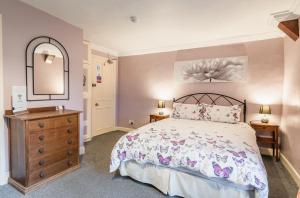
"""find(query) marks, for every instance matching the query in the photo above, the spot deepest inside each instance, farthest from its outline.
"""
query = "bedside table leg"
(277, 144)
(273, 145)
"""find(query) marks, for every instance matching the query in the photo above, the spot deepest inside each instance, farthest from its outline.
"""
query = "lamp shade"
(161, 104)
(265, 109)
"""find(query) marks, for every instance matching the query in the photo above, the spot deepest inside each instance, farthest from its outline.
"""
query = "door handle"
(96, 104)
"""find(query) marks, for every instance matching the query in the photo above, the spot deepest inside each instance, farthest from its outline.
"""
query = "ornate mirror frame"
(29, 61)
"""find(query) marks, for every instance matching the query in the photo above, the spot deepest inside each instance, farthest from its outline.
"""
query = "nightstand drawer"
(155, 117)
(263, 128)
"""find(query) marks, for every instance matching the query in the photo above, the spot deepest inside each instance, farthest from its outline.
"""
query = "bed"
(193, 157)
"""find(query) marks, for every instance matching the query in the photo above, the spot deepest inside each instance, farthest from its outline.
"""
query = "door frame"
(114, 98)
(3, 142)
(88, 95)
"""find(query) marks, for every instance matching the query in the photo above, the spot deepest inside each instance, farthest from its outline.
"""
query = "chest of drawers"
(43, 146)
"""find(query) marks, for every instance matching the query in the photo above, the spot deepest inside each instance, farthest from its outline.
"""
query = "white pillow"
(185, 111)
(217, 113)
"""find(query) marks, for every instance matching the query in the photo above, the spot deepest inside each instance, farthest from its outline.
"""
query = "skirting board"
(82, 150)
(295, 175)
(123, 129)
(4, 178)
(285, 162)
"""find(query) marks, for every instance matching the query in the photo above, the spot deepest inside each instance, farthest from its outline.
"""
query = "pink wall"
(144, 79)
(21, 23)
(290, 124)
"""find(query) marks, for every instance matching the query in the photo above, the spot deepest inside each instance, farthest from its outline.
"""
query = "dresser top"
(44, 114)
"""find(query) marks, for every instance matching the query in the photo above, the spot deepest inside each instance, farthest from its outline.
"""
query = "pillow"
(217, 113)
(185, 111)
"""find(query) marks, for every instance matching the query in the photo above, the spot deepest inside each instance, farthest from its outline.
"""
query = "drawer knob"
(41, 137)
(70, 152)
(70, 163)
(42, 174)
(41, 162)
(70, 141)
(69, 120)
(41, 150)
(41, 125)
(69, 130)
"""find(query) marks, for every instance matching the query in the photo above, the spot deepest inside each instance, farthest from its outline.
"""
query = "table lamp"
(265, 109)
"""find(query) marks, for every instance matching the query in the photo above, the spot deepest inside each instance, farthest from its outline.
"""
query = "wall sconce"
(49, 58)
(265, 109)
(161, 105)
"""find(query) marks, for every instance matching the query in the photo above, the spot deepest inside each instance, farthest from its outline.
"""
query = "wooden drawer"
(44, 161)
(51, 170)
(51, 135)
(38, 151)
(263, 128)
(41, 124)
(66, 121)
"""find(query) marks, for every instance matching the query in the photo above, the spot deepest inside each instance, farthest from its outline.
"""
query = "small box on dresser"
(43, 145)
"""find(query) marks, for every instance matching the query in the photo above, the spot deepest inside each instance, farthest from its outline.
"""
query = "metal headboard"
(213, 98)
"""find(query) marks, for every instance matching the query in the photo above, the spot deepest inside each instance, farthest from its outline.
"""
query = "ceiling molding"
(286, 15)
(226, 41)
(104, 49)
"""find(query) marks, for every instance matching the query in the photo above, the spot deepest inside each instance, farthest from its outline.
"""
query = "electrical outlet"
(131, 122)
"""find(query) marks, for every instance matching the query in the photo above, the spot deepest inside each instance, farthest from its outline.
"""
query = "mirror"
(47, 70)
(48, 73)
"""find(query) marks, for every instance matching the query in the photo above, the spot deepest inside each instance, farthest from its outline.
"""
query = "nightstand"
(157, 117)
(268, 133)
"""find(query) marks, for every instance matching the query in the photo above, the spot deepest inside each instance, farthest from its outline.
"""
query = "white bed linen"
(226, 153)
(176, 183)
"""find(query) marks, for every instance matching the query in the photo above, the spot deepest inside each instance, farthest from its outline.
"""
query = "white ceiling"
(167, 24)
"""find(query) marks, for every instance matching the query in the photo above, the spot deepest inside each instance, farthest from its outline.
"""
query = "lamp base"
(264, 120)
(161, 113)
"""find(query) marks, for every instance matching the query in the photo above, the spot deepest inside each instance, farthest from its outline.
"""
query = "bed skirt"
(176, 183)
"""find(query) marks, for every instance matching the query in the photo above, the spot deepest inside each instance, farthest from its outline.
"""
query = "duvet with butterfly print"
(220, 151)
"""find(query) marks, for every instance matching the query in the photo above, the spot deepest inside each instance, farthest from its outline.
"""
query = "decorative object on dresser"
(267, 133)
(157, 117)
(161, 105)
(265, 109)
(44, 144)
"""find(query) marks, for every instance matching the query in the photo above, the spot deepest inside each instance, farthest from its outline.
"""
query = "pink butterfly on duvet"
(175, 143)
(190, 162)
(122, 155)
(259, 183)
(132, 137)
(222, 172)
(238, 154)
(164, 160)
(238, 162)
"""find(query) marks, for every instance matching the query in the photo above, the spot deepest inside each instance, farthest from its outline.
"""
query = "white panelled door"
(103, 95)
